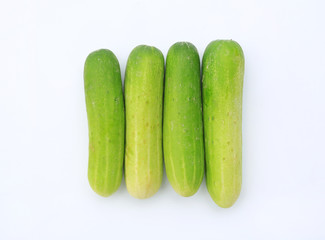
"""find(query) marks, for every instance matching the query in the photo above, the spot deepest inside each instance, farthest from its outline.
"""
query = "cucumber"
(144, 80)
(105, 113)
(182, 125)
(223, 73)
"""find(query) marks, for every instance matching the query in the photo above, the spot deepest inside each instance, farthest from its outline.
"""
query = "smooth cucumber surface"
(182, 125)
(106, 121)
(144, 79)
(223, 73)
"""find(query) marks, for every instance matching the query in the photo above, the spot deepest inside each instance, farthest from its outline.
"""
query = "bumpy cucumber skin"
(223, 73)
(106, 121)
(144, 80)
(182, 125)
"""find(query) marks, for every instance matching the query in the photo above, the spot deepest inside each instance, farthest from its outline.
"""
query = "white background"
(44, 192)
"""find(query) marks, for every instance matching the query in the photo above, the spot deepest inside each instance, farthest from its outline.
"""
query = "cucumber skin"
(223, 73)
(144, 80)
(182, 125)
(106, 121)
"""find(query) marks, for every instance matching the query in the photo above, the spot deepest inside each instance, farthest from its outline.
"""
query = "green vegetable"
(223, 73)
(105, 112)
(183, 131)
(144, 80)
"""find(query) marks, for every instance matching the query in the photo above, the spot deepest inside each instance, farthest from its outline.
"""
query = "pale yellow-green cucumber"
(182, 127)
(105, 113)
(223, 74)
(144, 79)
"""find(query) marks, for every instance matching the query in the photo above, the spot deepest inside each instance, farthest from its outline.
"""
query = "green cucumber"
(105, 113)
(144, 80)
(223, 73)
(183, 130)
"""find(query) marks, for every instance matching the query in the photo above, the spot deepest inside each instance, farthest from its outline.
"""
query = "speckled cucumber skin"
(182, 125)
(106, 121)
(144, 81)
(223, 73)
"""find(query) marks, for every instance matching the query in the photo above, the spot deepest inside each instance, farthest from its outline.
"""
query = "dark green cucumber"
(223, 73)
(144, 79)
(105, 112)
(182, 130)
